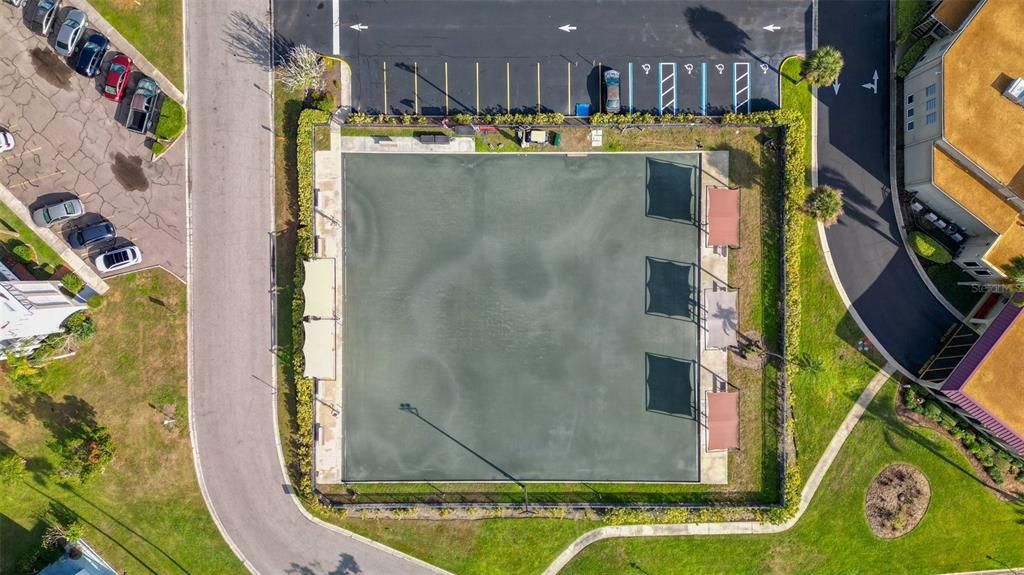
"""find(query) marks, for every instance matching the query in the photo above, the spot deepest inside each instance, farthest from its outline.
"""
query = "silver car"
(70, 33)
(59, 212)
(118, 259)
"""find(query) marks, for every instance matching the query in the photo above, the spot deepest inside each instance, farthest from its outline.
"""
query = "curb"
(75, 263)
(97, 21)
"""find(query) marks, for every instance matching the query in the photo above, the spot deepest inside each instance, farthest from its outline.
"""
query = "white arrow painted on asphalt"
(772, 28)
(873, 84)
(835, 86)
(567, 28)
(359, 27)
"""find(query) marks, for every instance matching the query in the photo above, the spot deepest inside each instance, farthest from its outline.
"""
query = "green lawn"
(154, 28)
(947, 279)
(145, 514)
(13, 231)
(964, 524)
(908, 14)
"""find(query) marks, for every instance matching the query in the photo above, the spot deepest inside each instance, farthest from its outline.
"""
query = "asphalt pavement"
(481, 56)
(232, 399)
(872, 261)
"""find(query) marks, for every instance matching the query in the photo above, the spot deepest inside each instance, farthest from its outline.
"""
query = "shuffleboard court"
(520, 317)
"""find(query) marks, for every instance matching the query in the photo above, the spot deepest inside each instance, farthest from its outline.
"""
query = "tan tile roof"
(953, 12)
(1009, 245)
(997, 385)
(970, 192)
(977, 119)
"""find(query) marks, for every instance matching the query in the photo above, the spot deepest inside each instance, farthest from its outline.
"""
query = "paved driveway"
(453, 56)
(70, 141)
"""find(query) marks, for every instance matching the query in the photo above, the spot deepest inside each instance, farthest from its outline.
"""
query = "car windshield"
(90, 46)
(46, 216)
(117, 68)
(62, 45)
(613, 103)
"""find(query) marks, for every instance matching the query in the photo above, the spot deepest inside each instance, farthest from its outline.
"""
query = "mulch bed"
(897, 500)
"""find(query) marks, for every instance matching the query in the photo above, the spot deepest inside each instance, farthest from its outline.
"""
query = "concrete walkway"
(71, 259)
(738, 527)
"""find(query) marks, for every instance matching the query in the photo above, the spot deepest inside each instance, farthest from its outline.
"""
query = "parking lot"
(480, 56)
(70, 142)
(660, 86)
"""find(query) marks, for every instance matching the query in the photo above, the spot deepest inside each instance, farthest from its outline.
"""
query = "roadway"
(232, 401)
(452, 56)
(870, 257)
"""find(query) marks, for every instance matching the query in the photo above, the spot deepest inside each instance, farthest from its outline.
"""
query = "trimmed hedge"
(303, 441)
(601, 118)
(929, 248)
(72, 283)
(795, 190)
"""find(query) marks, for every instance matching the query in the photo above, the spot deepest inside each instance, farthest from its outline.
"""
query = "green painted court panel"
(520, 316)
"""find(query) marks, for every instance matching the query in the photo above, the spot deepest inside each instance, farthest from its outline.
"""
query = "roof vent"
(1015, 91)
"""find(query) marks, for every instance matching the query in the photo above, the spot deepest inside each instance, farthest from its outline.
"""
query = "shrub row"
(303, 439)
(795, 191)
(361, 119)
(997, 463)
(642, 118)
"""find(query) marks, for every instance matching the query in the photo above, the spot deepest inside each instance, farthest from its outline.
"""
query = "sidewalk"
(71, 259)
(97, 22)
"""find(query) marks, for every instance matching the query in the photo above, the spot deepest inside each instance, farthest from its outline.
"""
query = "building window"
(910, 113)
(971, 264)
(910, 126)
(930, 118)
(981, 273)
(910, 99)
(931, 104)
(930, 91)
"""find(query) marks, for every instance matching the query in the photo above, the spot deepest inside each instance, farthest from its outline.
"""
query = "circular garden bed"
(897, 500)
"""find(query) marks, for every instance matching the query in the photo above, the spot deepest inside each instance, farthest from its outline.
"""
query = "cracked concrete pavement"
(70, 140)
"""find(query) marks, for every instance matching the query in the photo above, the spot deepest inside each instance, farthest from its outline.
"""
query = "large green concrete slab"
(520, 316)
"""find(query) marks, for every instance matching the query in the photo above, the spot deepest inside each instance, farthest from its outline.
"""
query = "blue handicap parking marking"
(667, 83)
(718, 88)
(689, 87)
(741, 87)
(646, 89)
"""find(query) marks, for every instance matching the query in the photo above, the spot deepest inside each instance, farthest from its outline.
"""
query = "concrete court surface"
(526, 317)
(455, 56)
(70, 141)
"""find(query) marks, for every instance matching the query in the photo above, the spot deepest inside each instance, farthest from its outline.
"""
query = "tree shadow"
(254, 41)
(70, 418)
(716, 30)
(347, 565)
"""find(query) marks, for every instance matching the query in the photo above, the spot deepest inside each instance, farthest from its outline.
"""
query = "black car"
(91, 55)
(90, 235)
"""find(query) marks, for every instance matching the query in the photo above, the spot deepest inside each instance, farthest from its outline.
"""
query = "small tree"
(23, 253)
(823, 66)
(12, 468)
(84, 456)
(303, 70)
(825, 204)
(25, 376)
(1015, 277)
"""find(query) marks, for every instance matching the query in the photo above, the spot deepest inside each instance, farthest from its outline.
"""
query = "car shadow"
(50, 198)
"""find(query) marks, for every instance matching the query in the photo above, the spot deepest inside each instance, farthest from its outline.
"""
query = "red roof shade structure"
(723, 217)
(723, 420)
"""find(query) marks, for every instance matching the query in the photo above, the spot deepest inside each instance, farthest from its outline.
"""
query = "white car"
(6, 141)
(70, 33)
(118, 259)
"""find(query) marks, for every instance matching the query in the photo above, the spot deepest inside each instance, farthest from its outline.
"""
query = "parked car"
(17, 3)
(91, 55)
(46, 14)
(90, 235)
(140, 113)
(70, 33)
(117, 77)
(611, 88)
(59, 212)
(6, 141)
(118, 259)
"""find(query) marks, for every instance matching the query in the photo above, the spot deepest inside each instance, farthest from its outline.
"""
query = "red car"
(117, 77)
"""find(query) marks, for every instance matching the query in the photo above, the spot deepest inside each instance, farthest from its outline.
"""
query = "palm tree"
(823, 66)
(1015, 277)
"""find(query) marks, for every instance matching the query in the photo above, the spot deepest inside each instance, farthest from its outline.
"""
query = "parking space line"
(478, 88)
(386, 88)
(703, 88)
(741, 87)
(416, 88)
(538, 87)
(446, 89)
(508, 87)
(667, 85)
(37, 180)
(568, 90)
(630, 66)
(600, 87)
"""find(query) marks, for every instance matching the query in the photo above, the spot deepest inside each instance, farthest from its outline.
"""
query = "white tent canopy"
(319, 348)
(319, 287)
